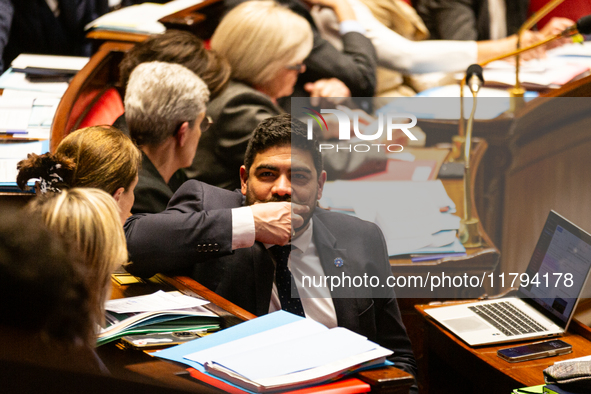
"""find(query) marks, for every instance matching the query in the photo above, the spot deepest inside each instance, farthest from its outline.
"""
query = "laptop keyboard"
(507, 319)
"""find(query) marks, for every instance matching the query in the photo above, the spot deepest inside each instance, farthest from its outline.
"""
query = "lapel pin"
(338, 262)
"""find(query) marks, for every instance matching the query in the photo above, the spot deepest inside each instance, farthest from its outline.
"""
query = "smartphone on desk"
(535, 350)
(160, 340)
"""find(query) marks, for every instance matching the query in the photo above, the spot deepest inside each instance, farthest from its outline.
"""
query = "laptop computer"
(557, 272)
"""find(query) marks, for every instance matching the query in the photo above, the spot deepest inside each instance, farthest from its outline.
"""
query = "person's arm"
(412, 57)
(6, 13)
(355, 66)
(200, 224)
(177, 238)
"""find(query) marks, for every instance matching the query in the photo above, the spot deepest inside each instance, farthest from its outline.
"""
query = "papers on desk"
(14, 115)
(47, 64)
(415, 217)
(277, 352)
(14, 80)
(153, 302)
(11, 153)
(140, 18)
(548, 72)
(158, 312)
(27, 108)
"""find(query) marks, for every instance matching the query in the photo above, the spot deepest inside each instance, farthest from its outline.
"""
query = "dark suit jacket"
(236, 112)
(152, 193)
(29, 26)
(355, 66)
(467, 19)
(246, 276)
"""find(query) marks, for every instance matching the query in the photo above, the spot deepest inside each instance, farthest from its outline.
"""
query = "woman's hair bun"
(55, 171)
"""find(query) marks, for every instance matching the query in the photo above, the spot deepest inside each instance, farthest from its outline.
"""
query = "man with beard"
(281, 164)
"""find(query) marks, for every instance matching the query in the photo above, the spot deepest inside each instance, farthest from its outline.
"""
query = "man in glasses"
(165, 107)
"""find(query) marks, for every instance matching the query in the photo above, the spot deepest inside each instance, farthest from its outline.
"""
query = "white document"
(11, 153)
(295, 355)
(292, 331)
(140, 18)
(408, 213)
(543, 72)
(18, 81)
(154, 302)
(15, 114)
(50, 62)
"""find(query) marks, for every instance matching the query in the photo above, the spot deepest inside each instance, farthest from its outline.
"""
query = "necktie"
(286, 285)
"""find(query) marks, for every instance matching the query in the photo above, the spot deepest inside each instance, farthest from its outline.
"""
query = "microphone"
(583, 26)
(474, 78)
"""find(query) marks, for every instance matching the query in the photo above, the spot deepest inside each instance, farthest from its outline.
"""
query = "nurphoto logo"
(385, 126)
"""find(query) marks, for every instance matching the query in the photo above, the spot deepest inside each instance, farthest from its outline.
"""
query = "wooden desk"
(142, 368)
(449, 365)
(200, 19)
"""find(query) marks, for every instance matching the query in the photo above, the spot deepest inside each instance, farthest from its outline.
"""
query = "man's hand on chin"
(273, 221)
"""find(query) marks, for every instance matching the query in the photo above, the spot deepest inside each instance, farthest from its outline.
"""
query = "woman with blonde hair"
(265, 44)
(88, 220)
(100, 156)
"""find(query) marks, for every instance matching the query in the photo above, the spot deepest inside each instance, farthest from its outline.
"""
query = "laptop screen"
(558, 269)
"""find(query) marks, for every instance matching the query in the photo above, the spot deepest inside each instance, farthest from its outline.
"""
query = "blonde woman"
(101, 157)
(87, 219)
(265, 44)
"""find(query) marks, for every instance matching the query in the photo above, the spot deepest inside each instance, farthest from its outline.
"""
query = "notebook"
(557, 272)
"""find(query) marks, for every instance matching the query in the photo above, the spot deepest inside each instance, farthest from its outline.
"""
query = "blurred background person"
(328, 70)
(479, 19)
(46, 316)
(99, 157)
(265, 44)
(88, 220)
(181, 47)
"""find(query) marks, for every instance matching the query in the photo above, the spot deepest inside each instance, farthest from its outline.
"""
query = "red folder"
(343, 386)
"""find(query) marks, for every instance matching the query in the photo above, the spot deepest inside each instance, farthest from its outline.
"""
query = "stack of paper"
(278, 352)
(415, 217)
(140, 18)
(13, 152)
(28, 105)
(158, 312)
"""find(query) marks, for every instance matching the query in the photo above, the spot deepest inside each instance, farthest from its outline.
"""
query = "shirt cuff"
(243, 233)
(349, 26)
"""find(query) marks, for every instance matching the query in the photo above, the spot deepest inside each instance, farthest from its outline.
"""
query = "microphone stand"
(517, 92)
(469, 234)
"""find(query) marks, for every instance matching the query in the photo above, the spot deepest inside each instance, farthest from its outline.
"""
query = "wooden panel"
(551, 170)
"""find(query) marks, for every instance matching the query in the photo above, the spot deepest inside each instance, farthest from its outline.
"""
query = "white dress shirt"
(304, 261)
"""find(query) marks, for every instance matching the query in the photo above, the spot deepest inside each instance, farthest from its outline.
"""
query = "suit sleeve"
(355, 66)
(179, 237)
(238, 119)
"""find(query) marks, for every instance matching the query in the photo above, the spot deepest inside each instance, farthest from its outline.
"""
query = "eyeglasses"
(205, 124)
(300, 67)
